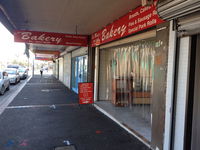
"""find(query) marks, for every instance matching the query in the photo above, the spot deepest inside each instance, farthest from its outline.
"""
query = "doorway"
(126, 84)
(79, 71)
(192, 135)
(196, 107)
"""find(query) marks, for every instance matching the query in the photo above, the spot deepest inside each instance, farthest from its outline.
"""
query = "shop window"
(128, 73)
(126, 82)
(79, 71)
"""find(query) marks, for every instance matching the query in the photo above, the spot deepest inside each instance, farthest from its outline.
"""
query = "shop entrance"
(126, 84)
(79, 71)
(195, 137)
(192, 129)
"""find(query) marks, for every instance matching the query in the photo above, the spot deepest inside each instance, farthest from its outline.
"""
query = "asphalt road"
(8, 96)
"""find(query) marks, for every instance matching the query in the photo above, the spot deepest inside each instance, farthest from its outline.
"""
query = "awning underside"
(64, 16)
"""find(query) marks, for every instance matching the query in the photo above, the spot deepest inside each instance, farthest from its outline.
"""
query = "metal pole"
(33, 67)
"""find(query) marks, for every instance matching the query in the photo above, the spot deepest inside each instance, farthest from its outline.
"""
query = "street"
(9, 95)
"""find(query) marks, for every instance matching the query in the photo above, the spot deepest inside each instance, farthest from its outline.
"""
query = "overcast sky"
(8, 48)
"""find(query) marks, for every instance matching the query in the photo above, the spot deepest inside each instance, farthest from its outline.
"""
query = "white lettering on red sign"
(42, 37)
(136, 20)
(50, 38)
(113, 32)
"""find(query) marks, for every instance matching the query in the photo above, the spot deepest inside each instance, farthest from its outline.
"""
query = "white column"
(170, 86)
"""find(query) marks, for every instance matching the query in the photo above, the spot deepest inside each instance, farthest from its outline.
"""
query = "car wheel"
(15, 81)
(2, 91)
(8, 88)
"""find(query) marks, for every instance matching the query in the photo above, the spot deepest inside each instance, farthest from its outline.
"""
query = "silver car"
(4, 82)
(13, 75)
(23, 72)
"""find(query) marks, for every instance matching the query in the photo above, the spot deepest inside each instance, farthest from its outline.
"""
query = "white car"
(4, 82)
(13, 75)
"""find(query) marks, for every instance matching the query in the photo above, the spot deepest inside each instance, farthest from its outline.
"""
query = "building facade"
(147, 80)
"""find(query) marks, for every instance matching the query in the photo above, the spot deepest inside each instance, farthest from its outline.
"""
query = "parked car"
(4, 82)
(13, 75)
(23, 72)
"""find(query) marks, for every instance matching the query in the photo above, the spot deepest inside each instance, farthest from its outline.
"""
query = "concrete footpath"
(45, 114)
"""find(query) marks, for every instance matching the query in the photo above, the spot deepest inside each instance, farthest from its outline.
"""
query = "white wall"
(54, 69)
(61, 69)
(67, 70)
(79, 52)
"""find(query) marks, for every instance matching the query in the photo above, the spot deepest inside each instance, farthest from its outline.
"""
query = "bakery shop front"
(128, 54)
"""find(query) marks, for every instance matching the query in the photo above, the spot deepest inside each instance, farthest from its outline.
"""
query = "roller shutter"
(171, 9)
(189, 25)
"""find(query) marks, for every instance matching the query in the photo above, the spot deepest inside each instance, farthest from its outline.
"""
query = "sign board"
(137, 20)
(44, 55)
(86, 93)
(50, 38)
(47, 52)
(43, 58)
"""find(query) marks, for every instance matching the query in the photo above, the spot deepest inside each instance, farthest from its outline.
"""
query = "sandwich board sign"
(86, 93)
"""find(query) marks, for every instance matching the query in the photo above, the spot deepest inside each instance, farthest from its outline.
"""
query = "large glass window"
(126, 77)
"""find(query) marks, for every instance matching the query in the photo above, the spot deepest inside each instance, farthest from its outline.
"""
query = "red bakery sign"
(86, 93)
(50, 38)
(135, 21)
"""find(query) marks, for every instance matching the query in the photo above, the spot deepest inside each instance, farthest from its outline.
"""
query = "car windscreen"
(22, 69)
(11, 71)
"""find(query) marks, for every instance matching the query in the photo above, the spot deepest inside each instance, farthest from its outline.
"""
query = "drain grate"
(70, 147)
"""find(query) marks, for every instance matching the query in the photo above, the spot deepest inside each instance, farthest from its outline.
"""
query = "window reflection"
(126, 74)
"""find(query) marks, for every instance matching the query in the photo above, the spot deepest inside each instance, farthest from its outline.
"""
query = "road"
(8, 97)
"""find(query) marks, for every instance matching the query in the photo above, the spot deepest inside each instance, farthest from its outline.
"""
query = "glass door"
(79, 71)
